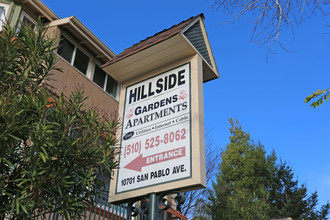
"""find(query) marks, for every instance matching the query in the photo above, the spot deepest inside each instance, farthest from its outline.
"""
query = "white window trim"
(105, 81)
(91, 67)
(117, 89)
(3, 17)
(24, 14)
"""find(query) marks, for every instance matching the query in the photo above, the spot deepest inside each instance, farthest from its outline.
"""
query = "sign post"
(153, 207)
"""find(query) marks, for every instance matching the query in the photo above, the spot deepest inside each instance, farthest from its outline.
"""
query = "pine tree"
(287, 198)
(251, 185)
(239, 192)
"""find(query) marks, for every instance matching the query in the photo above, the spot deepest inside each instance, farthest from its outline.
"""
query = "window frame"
(24, 14)
(3, 16)
(68, 38)
(105, 81)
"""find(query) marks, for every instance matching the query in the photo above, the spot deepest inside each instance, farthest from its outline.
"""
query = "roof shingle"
(153, 40)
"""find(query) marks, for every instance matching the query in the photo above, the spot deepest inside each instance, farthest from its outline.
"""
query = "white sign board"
(156, 131)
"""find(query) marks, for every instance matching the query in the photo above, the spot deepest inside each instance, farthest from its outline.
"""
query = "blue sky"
(266, 98)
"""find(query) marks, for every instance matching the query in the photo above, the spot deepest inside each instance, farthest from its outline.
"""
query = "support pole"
(153, 207)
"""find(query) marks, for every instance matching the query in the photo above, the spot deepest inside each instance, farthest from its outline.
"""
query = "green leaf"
(24, 209)
(43, 156)
(22, 182)
(316, 94)
(67, 215)
(26, 73)
(17, 206)
(16, 138)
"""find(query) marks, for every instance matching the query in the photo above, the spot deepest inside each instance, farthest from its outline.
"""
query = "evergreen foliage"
(287, 198)
(52, 148)
(251, 185)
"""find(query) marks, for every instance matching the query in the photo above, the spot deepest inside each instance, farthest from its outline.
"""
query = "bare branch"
(273, 17)
(195, 197)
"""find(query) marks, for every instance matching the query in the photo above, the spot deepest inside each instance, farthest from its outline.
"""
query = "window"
(66, 49)
(27, 20)
(75, 56)
(105, 81)
(81, 60)
(112, 86)
(99, 76)
(3, 10)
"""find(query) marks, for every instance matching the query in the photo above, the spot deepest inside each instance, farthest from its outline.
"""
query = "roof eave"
(211, 71)
(149, 59)
(78, 27)
(41, 8)
(161, 54)
(165, 53)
